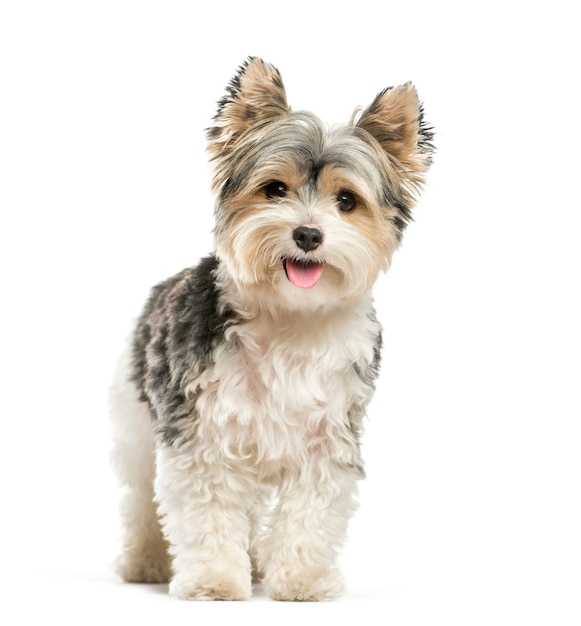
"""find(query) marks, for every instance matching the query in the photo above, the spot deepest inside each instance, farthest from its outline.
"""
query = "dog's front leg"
(308, 527)
(203, 509)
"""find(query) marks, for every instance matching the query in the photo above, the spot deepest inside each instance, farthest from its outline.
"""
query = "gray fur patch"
(182, 323)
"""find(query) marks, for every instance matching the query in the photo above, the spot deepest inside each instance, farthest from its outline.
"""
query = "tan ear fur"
(395, 120)
(255, 94)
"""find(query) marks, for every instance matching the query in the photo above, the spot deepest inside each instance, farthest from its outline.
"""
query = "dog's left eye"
(346, 201)
(276, 189)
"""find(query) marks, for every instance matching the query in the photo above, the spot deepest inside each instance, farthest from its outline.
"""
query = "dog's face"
(308, 216)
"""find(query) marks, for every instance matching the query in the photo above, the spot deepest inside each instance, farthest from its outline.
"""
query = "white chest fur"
(278, 386)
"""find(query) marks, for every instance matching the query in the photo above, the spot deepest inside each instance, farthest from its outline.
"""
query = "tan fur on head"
(256, 139)
(255, 94)
(395, 120)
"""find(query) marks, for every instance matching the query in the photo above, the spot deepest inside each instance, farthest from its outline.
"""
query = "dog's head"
(305, 215)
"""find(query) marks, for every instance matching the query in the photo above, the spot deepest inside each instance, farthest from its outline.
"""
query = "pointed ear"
(255, 94)
(395, 120)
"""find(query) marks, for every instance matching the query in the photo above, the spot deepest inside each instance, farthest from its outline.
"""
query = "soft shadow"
(159, 589)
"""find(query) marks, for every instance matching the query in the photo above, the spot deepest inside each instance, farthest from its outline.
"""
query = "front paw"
(211, 585)
(304, 584)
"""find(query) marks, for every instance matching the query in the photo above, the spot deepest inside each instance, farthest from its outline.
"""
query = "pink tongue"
(303, 275)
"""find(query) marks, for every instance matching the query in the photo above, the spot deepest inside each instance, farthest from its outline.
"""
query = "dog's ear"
(254, 95)
(396, 120)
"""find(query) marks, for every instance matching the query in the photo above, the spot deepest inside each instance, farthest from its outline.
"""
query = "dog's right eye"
(276, 189)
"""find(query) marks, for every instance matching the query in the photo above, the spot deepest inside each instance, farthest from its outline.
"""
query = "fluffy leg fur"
(260, 513)
(204, 512)
(144, 556)
(308, 527)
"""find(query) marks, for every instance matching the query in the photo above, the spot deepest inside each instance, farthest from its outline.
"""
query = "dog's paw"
(140, 567)
(225, 586)
(305, 585)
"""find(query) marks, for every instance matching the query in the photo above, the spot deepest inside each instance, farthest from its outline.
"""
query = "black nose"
(307, 238)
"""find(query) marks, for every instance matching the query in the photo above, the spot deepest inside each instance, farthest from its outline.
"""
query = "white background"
(471, 512)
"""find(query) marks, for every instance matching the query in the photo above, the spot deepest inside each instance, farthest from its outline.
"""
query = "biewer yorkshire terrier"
(239, 406)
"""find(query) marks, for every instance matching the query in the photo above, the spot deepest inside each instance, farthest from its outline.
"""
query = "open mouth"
(301, 274)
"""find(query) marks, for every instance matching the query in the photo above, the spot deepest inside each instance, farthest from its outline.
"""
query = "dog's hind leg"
(144, 556)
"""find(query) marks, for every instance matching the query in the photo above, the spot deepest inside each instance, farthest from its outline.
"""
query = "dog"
(239, 403)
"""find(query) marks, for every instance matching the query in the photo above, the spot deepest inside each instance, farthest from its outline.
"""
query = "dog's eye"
(346, 201)
(276, 189)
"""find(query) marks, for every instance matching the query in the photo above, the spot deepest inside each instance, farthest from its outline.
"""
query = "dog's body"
(242, 396)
